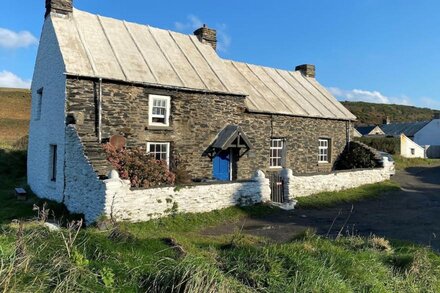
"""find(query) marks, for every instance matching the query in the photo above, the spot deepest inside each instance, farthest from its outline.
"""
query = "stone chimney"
(307, 70)
(387, 121)
(207, 36)
(59, 7)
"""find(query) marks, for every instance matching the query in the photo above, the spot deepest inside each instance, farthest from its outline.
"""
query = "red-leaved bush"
(141, 168)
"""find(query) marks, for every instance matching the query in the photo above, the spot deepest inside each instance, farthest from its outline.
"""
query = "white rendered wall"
(84, 192)
(406, 145)
(429, 135)
(297, 186)
(49, 129)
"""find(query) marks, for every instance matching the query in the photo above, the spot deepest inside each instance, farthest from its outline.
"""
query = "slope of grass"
(327, 199)
(404, 163)
(15, 107)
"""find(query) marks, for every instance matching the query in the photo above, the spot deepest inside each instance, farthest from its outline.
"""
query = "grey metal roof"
(96, 46)
(228, 135)
(409, 129)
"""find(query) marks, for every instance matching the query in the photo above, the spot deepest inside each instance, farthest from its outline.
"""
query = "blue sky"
(371, 50)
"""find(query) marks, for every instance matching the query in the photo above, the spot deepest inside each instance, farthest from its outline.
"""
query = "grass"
(404, 163)
(327, 199)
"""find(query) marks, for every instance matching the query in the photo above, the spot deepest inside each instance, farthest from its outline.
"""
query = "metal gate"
(276, 188)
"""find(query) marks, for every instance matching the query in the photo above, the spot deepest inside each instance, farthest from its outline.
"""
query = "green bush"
(389, 145)
(357, 156)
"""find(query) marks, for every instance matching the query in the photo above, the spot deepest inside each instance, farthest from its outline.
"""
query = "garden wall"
(297, 186)
(125, 204)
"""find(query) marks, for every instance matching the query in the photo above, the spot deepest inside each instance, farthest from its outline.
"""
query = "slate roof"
(96, 46)
(409, 129)
(365, 130)
(228, 135)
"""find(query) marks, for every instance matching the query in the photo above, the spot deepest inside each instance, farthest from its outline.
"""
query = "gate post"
(287, 175)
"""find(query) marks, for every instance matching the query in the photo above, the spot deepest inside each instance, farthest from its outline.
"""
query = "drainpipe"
(100, 111)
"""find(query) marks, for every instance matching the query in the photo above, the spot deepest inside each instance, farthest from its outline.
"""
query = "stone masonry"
(196, 119)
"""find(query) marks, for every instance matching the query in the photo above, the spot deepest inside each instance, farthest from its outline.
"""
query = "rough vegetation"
(141, 168)
(374, 114)
(358, 156)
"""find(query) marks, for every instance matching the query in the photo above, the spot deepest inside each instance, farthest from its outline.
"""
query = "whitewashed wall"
(49, 75)
(84, 192)
(297, 186)
(145, 204)
(407, 144)
(429, 135)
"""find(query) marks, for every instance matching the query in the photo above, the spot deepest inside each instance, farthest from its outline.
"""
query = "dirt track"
(411, 214)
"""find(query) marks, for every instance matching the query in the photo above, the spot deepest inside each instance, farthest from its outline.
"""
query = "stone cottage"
(96, 77)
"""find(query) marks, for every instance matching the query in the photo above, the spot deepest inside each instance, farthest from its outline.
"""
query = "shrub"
(389, 145)
(141, 168)
(357, 156)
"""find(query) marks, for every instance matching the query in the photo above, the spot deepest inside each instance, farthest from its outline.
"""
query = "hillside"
(15, 108)
(369, 113)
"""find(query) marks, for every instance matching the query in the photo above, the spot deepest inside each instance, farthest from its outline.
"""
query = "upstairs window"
(277, 153)
(160, 150)
(159, 110)
(324, 154)
(38, 104)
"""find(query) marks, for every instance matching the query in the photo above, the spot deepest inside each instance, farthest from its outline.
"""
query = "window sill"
(158, 127)
(275, 168)
(324, 163)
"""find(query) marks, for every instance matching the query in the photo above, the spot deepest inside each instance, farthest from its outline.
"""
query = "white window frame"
(324, 157)
(280, 149)
(160, 143)
(151, 99)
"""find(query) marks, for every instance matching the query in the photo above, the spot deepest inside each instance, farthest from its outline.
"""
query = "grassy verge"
(404, 163)
(327, 199)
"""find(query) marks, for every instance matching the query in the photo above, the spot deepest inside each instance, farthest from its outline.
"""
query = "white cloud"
(9, 79)
(11, 40)
(368, 96)
(193, 22)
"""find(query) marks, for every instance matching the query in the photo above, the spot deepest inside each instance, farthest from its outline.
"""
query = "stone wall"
(297, 186)
(124, 204)
(196, 119)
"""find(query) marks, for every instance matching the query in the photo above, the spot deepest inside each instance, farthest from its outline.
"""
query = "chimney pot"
(207, 36)
(59, 6)
(307, 70)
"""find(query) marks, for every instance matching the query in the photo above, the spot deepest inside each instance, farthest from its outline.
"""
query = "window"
(53, 163)
(323, 155)
(159, 110)
(276, 152)
(160, 150)
(413, 152)
(38, 104)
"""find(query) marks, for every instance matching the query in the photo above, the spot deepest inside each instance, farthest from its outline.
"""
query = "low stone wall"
(124, 204)
(297, 186)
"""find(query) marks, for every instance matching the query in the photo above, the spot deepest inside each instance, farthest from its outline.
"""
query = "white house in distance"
(418, 139)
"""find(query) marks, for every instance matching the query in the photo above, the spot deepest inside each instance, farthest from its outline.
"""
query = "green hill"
(369, 113)
(15, 109)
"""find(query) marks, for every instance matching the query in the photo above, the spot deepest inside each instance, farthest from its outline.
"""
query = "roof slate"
(409, 129)
(96, 46)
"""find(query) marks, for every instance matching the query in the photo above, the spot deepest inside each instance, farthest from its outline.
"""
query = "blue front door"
(220, 166)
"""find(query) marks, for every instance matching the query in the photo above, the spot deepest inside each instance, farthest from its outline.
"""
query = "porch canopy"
(232, 136)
